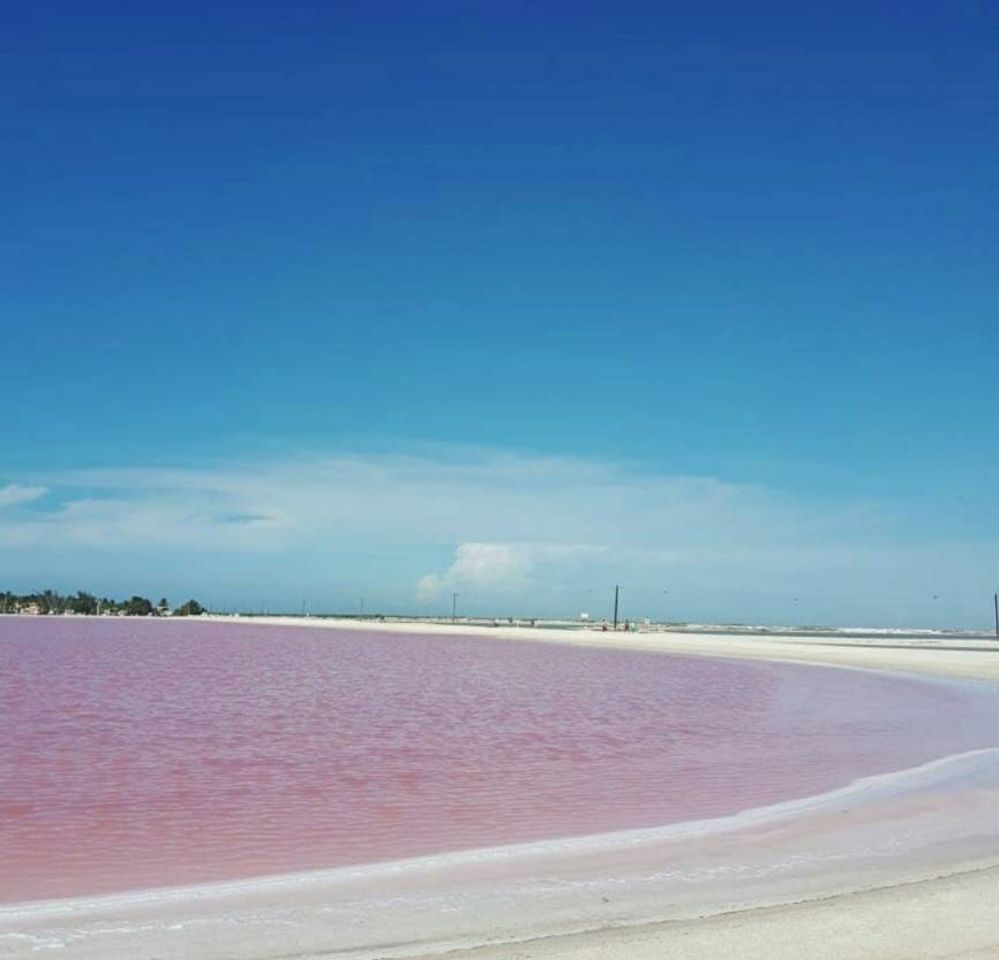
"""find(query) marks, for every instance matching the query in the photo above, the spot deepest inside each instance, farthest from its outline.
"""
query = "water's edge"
(930, 821)
(969, 769)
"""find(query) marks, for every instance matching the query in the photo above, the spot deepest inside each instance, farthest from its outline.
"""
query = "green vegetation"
(139, 607)
(190, 609)
(87, 604)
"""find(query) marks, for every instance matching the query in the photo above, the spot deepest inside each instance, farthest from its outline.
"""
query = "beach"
(931, 653)
(898, 865)
(949, 916)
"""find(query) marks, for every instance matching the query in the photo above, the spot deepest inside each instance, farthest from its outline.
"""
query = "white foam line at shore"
(962, 769)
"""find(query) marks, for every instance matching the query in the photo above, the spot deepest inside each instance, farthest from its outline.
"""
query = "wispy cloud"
(495, 526)
(480, 498)
(13, 493)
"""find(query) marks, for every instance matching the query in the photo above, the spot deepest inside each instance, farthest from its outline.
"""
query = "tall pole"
(995, 604)
(617, 590)
(454, 607)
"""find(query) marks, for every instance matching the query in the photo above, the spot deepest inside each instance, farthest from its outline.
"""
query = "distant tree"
(139, 607)
(52, 602)
(83, 602)
(49, 601)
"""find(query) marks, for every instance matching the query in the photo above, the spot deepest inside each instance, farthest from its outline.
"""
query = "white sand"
(952, 916)
(934, 655)
(902, 866)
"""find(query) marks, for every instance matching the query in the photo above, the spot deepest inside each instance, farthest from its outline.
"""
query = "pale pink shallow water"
(140, 753)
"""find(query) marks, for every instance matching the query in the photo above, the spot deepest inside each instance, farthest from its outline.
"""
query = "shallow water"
(145, 753)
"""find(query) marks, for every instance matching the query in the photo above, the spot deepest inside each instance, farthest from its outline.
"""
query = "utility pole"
(617, 590)
(454, 607)
(995, 604)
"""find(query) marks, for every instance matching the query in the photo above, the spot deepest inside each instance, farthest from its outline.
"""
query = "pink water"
(147, 753)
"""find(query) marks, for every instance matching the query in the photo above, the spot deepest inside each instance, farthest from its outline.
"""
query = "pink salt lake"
(139, 754)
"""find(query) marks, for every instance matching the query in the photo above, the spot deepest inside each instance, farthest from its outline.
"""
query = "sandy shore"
(931, 655)
(878, 873)
(946, 917)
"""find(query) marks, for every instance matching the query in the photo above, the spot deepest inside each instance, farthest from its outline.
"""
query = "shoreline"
(939, 657)
(900, 921)
(857, 791)
(435, 906)
(783, 916)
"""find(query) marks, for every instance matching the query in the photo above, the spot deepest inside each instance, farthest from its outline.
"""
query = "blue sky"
(654, 251)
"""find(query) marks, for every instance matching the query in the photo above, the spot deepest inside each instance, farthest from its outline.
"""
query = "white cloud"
(505, 530)
(502, 566)
(347, 501)
(12, 493)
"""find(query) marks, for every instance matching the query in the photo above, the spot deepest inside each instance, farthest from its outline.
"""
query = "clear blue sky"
(753, 244)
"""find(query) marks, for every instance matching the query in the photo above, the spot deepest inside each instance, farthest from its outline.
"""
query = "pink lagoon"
(141, 754)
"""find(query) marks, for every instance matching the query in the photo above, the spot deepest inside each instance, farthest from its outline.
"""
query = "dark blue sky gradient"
(755, 242)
